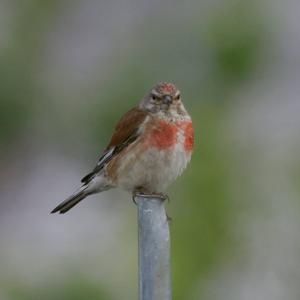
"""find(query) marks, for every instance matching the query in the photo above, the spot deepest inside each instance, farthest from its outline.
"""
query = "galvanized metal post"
(154, 250)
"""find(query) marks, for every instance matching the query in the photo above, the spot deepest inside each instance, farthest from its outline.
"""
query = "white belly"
(153, 170)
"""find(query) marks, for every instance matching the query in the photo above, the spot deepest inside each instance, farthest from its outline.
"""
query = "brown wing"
(126, 132)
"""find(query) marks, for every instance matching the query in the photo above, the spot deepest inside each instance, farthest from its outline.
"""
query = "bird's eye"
(177, 97)
(154, 97)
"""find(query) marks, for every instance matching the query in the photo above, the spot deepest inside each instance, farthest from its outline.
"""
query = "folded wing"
(126, 132)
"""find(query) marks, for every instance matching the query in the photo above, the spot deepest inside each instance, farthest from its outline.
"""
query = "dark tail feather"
(70, 202)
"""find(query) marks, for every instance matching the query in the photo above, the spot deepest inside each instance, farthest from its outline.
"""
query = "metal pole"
(154, 250)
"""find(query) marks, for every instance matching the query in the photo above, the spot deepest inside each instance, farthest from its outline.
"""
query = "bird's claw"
(160, 196)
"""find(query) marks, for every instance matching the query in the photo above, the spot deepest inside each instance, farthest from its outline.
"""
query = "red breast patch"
(164, 136)
(189, 137)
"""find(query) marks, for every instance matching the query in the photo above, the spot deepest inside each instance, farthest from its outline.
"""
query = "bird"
(150, 147)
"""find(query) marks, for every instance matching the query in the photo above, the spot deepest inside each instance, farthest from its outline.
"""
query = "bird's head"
(163, 98)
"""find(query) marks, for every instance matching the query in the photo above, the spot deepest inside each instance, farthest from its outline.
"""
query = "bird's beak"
(167, 99)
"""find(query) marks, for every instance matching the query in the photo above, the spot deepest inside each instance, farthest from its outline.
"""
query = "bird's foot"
(160, 196)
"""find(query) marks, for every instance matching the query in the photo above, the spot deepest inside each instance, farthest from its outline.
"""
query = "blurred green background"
(69, 69)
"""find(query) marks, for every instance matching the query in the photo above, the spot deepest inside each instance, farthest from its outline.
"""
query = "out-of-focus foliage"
(236, 36)
(74, 288)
